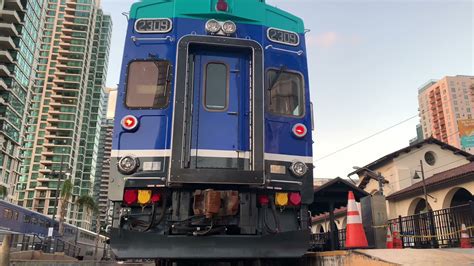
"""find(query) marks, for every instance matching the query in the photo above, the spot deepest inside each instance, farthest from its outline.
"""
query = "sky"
(367, 60)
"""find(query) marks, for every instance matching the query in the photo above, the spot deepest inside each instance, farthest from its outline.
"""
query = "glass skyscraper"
(64, 126)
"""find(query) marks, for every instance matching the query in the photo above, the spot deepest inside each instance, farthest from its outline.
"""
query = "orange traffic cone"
(465, 239)
(389, 238)
(355, 234)
(397, 241)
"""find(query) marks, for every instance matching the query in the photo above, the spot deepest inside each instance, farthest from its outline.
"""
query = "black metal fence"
(322, 241)
(24, 242)
(433, 229)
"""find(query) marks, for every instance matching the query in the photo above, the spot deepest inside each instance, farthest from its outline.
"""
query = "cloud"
(330, 39)
(325, 40)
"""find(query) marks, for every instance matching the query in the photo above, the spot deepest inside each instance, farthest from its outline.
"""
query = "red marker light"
(130, 196)
(222, 6)
(263, 200)
(295, 199)
(300, 130)
(129, 122)
(156, 197)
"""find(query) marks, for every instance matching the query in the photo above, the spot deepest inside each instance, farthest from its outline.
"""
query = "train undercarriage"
(210, 223)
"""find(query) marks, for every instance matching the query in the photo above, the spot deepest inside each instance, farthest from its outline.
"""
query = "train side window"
(216, 86)
(148, 84)
(27, 219)
(285, 93)
(15, 216)
(7, 214)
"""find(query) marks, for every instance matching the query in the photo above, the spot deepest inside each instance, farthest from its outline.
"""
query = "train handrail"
(167, 38)
(300, 52)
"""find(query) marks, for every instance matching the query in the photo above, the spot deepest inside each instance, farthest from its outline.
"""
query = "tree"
(66, 192)
(91, 206)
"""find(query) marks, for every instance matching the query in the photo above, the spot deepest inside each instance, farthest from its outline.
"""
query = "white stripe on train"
(214, 154)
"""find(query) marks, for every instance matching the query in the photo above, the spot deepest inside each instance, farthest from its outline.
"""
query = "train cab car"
(212, 144)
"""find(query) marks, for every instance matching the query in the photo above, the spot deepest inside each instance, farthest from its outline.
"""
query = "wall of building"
(400, 172)
(442, 199)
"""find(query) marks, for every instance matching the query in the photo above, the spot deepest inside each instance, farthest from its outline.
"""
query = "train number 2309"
(161, 25)
(283, 36)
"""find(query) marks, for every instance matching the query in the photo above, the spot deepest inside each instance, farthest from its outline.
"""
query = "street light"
(377, 175)
(416, 176)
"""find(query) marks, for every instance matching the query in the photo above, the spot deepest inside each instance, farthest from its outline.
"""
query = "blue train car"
(212, 138)
(19, 220)
(23, 222)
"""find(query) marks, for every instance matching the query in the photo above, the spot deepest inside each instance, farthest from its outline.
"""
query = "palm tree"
(66, 192)
(90, 205)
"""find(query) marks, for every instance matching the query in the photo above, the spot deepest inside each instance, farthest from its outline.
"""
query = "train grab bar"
(300, 52)
(285, 182)
(167, 38)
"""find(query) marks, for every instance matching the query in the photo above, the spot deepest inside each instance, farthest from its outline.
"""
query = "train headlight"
(213, 26)
(229, 27)
(299, 169)
(128, 165)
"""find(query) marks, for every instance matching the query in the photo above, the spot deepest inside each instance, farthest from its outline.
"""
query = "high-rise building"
(445, 104)
(101, 184)
(64, 128)
(20, 26)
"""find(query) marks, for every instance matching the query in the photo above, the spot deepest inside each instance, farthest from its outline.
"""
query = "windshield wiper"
(277, 78)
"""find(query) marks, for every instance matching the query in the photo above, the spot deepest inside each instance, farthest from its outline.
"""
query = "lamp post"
(377, 175)
(416, 176)
(428, 210)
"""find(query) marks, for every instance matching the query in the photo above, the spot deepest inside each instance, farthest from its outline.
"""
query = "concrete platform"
(450, 257)
(393, 257)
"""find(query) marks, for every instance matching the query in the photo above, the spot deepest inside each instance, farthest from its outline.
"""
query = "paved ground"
(422, 257)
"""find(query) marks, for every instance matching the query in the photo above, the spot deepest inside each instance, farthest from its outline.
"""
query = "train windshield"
(286, 95)
(148, 84)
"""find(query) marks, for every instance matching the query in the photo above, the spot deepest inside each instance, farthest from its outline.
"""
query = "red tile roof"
(324, 216)
(461, 172)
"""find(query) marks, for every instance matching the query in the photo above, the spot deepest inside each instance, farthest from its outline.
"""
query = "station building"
(449, 181)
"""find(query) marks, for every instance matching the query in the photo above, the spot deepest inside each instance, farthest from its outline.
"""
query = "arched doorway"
(421, 207)
(320, 229)
(419, 222)
(417, 206)
(461, 197)
(457, 196)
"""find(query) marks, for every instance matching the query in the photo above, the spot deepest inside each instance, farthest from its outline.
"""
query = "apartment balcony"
(14, 5)
(7, 29)
(3, 85)
(67, 59)
(46, 162)
(45, 171)
(10, 16)
(7, 43)
(43, 179)
(4, 71)
(6, 57)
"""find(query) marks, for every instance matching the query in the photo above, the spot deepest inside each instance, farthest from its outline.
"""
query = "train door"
(220, 108)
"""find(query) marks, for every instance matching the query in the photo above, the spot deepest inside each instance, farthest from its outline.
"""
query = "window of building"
(216, 89)
(430, 158)
(286, 93)
(148, 85)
